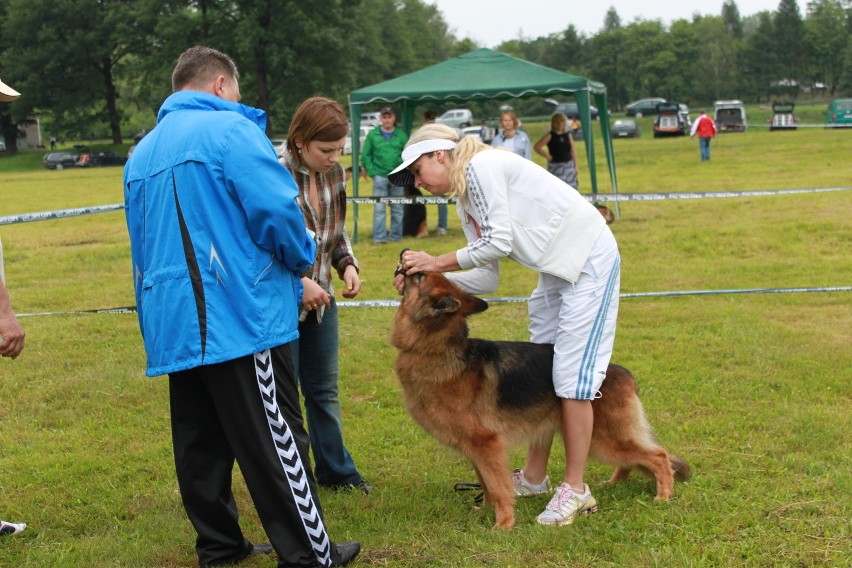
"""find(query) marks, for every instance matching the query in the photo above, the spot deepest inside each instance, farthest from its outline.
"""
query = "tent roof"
(482, 73)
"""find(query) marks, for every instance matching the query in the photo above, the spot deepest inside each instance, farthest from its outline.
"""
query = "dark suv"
(572, 111)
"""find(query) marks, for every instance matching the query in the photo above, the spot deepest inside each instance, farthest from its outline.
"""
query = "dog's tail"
(681, 469)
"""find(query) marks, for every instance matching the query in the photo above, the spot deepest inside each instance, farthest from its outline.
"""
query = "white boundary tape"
(500, 299)
(63, 213)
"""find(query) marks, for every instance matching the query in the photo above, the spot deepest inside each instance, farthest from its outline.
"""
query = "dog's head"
(433, 309)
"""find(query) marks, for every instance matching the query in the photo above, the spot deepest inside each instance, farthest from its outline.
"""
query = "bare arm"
(541, 144)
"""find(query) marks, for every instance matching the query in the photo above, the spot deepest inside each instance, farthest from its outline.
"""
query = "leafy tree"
(716, 77)
(612, 21)
(826, 37)
(731, 17)
(73, 71)
(789, 45)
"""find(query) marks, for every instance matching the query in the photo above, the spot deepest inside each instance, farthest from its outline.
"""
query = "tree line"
(101, 68)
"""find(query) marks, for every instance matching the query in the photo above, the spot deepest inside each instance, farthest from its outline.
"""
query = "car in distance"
(280, 144)
(625, 128)
(60, 160)
(839, 113)
(669, 120)
(782, 116)
(100, 158)
(643, 107)
(371, 118)
(730, 116)
(571, 110)
(457, 118)
(364, 129)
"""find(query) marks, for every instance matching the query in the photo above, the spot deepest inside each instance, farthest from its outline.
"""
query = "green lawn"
(752, 390)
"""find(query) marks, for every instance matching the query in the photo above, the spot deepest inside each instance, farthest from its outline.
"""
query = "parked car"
(2, 146)
(280, 144)
(669, 120)
(839, 113)
(730, 116)
(457, 118)
(571, 110)
(362, 134)
(371, 118)
(625, 128)
(643, 107)
(101, 158)
(782, 116)
(60, 160)
(475, 131)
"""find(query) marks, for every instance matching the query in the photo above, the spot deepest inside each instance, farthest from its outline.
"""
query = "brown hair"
(511, 113)
(199, 65)
(317, 118)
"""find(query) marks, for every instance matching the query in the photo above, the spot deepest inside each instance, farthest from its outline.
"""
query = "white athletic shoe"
(11, 528)
(565, 505)
(524, 488)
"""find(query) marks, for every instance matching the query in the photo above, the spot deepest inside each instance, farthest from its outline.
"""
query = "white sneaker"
(441, 231)
(524, 488)
(11, 528)
(566, 504)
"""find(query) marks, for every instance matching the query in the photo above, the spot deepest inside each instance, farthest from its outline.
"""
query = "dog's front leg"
(489, 456)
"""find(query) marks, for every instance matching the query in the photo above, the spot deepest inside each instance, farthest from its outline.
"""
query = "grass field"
(752, 390)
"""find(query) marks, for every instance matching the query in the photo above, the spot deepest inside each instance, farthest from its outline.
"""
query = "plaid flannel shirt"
(334, 249)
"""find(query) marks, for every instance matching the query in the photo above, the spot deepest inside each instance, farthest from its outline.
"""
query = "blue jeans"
(316, 363)
(382, 187)
(704, 145)
(442, 215)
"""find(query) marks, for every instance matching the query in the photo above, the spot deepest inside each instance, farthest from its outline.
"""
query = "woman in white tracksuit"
(512, 207)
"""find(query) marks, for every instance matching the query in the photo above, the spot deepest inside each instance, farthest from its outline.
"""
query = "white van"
(730, 116)
(371, 118)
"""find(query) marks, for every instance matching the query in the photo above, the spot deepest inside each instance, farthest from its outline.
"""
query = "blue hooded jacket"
(218, 241)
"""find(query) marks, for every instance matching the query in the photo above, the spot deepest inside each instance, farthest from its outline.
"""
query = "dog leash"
(469, 486)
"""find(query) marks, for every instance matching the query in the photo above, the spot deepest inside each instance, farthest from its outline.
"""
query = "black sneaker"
(345, 552)
(360, 486)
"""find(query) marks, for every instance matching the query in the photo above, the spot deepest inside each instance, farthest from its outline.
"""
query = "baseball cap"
(7, 93)
(401, 176)
(387, 110)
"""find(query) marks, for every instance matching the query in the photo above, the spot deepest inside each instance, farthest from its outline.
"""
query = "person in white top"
(511, 207)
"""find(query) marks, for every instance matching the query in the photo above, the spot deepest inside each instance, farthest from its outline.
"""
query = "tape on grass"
(501, 299)
(593, 197)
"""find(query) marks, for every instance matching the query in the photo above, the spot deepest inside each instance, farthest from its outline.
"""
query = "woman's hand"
(352, 281)
(413, 262)
(314, 296)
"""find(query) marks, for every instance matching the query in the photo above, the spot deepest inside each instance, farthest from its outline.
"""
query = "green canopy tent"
(484, 74)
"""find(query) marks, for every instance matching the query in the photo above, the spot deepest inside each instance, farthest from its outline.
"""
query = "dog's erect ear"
(479, 305)
(447, 305)
(440, 306)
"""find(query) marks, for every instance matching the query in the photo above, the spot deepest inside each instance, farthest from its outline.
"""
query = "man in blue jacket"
(218, 245)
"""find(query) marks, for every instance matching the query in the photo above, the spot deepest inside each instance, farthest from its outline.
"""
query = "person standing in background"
(382, 153)
(218, 247)
(705, 127)
(511, 138)
(314, 143)
(561, 154)
(11, 333)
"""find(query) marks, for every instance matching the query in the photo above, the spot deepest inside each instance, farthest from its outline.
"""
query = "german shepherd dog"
(482, 397)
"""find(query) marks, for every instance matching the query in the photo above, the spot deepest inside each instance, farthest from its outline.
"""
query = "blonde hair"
(556, 119)
(466, 148)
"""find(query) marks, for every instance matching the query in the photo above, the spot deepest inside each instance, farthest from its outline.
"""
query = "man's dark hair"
(199, 65)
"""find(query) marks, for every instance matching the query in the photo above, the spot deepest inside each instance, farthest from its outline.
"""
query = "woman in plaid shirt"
(314, 144)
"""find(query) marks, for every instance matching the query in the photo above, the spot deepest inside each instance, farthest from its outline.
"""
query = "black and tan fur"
(482, 397)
